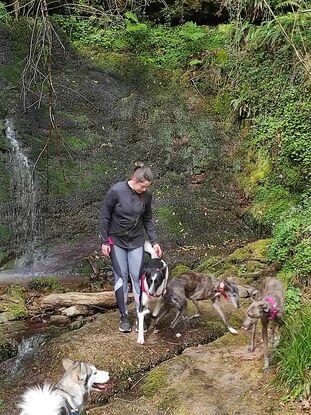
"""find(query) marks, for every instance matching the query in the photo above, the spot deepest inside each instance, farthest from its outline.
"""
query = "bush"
(291, 244)
(293, 355)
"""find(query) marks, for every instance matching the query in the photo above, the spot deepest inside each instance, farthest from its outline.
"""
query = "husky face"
(86, 374)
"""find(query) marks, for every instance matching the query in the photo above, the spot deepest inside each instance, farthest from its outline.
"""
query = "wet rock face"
(108, 122)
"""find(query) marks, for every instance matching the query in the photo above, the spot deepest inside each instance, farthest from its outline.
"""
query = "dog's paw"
(140, 341)
(232, 330)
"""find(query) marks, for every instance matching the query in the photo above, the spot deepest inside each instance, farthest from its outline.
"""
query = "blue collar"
(75, 413)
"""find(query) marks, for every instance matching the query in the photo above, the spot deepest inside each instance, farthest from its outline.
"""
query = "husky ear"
(82, 374)
(67, 363)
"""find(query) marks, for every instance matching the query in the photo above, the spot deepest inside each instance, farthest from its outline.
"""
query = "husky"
(197, 287)
(69, 395)
(152, 288)
(269, 309)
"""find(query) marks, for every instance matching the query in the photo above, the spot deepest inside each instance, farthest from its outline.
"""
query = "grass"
(294, 356)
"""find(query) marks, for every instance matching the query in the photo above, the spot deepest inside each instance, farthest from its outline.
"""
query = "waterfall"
(24, 212)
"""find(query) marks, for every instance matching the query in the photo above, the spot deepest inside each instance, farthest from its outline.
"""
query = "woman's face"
(140, 187)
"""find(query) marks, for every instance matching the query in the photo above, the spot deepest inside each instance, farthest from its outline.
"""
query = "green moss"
(211, 265)
(257, 250)
(77, 143)
(169, 400)
(3, 254)
(4, 185)
(5, 233)
(44, 284)
(15, 305)
(256, 170)
(179, 269)
(156, 380)
(80, 118)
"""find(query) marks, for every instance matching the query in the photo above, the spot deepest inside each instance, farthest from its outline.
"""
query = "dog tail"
(41, 400)
(150, 250)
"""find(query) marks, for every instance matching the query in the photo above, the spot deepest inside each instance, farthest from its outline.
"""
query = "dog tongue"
(100, 386)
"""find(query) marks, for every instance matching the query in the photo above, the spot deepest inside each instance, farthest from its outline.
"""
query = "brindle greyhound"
(269, 309)
(198, 287)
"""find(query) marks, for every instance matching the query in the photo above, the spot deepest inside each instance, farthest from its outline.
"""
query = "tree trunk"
(105, 299)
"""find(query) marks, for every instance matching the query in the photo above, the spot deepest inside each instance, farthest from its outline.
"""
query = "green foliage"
(291, 241)
(293, 355)
(293, 303)
(270, 202)
(45, 284)
(3, 12)
(163, 47)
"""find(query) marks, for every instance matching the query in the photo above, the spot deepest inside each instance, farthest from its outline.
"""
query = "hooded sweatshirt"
(125, 215)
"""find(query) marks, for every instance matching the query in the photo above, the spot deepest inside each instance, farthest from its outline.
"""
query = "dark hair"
(142, 173)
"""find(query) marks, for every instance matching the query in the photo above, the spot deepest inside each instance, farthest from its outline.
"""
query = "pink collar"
(274, 312)
(145, 288)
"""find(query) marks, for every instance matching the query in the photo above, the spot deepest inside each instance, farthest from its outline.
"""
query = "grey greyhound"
(198, 287)
(269, 309)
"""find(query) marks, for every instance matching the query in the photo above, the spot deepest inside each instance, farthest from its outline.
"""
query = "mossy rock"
(179, 269)
(14, 305)
(212, 265)
(45, 284)
(255, 251)
(156, 380)
(8, 349)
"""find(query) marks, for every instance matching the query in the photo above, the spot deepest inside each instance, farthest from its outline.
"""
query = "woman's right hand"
(106, 250)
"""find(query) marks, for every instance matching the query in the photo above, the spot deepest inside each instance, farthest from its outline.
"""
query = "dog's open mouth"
(103, 387)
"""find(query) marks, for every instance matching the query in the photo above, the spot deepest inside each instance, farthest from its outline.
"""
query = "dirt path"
(166, 376)
(220, 378)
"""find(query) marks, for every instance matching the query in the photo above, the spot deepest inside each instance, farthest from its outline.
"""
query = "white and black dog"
(69, 395)
(152, 288)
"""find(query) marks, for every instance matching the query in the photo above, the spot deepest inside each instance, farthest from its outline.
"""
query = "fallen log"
(105, 299)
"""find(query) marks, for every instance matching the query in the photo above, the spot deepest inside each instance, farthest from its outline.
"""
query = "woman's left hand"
(158, 250)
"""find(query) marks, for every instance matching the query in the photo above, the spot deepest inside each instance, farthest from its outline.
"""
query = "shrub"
(293, 355)
(291, 241)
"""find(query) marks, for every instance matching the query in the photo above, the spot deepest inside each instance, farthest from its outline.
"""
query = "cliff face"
(106, 121)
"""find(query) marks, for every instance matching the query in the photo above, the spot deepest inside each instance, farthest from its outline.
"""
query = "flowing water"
(24, 212)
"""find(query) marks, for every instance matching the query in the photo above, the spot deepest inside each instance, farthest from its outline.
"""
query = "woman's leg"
(119, 260)
(135, 264)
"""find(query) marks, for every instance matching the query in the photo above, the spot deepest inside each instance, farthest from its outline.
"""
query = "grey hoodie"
(125, 215)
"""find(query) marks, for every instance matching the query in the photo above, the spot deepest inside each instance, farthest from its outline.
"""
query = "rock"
(8, 349)
(75, 325)
(7, 316)
(59, 320)
(76, 310)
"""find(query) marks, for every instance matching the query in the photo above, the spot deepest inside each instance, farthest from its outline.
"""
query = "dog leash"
(274, 311)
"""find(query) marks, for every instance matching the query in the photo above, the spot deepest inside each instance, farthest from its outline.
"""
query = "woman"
(126, 213)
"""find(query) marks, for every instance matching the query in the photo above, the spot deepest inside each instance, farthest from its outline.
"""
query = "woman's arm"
(110, 200)
(148, 221)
